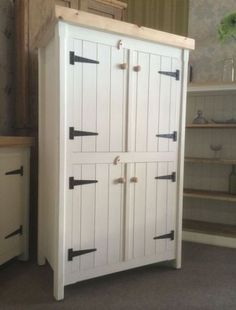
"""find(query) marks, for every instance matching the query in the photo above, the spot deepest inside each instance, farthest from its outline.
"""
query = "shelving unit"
(220, 161)
(211, 125)
(214, 195)
(209, 209)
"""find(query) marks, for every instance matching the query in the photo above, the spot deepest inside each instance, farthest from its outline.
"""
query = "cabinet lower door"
(11, 217)
(151, 211)
(94, 220)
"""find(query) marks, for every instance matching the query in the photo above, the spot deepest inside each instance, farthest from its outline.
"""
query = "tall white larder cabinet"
(111, 143)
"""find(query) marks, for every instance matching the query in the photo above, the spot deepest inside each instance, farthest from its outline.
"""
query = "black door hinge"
(78, 133)
(73, 182)
(170, 236)
(170, 73)
(72, 253)
(18, 171)
(171, 177)
(74, 58)
(19, 231)
(172, 136)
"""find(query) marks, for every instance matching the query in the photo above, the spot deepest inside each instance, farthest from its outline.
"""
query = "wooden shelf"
(211, 125)
(13, 141)
(213, 195)
(214, 161)
(210, 228)
(211, 87)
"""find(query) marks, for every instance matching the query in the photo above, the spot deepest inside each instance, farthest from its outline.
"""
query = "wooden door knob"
(124, 66)
(134, 180)
(137, 68)
(121, 180)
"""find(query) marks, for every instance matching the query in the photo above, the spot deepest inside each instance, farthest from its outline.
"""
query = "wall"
(166, 15)
(207, 59)
(6, 66)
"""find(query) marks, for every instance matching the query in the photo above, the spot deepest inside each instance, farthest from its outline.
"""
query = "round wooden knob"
(124, 66)
(134, 180)
(121, 180)
(137, 68)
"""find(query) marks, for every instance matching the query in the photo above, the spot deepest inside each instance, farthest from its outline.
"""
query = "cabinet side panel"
(48, 151)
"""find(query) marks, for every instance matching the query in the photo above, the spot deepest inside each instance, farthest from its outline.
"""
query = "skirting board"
(209, 239)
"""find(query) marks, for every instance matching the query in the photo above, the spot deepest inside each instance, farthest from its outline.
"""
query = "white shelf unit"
(209, 209)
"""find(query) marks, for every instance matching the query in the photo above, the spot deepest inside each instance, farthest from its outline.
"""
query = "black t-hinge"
(14, 172)
(74, 58)
(170, 236)
(78, 133)
(19, 231)
(72, 253)
(73, 182)
(175, 74)
(171, 177)
(172, 136)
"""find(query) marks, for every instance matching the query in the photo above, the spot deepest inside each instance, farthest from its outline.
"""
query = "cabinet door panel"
(11, 213)
(97, 96)
(95, 216)
(155, 100)
(152, 210)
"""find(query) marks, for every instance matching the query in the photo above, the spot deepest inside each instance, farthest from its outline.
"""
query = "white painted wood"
(14, 209)
(120, 214)
(121, 266)
(154, 103)
(142, 97)
(96, 218)
(181, 115)
(52, 158)
(165, 101)
(152, 210)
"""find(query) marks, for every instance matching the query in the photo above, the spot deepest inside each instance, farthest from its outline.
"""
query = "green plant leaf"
(227, 27)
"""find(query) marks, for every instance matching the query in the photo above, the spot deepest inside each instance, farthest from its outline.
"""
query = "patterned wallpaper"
(207, 59)
(6, 66)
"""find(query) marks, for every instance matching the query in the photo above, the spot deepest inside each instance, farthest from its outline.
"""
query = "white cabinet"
(112, 111)
(14, 193)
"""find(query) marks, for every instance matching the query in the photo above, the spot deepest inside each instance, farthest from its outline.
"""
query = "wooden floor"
(207, 281)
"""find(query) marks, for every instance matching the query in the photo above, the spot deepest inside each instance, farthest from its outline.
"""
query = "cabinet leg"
(58, 289)
(24, 257)
(41, 260)
(176, 263)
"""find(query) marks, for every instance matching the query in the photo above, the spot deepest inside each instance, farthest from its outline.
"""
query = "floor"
(207, 281)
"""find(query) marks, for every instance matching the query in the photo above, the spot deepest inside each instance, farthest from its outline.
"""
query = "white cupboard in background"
(112, 120)
(14, 201)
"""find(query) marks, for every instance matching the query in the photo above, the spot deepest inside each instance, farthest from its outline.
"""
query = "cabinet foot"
(41, 260)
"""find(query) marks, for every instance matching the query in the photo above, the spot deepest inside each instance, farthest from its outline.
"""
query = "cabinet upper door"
(11, 211)
(97, 96)
(155, 100)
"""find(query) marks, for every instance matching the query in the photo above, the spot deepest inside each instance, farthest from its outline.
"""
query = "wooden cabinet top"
(105, 24)
(11, 141)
